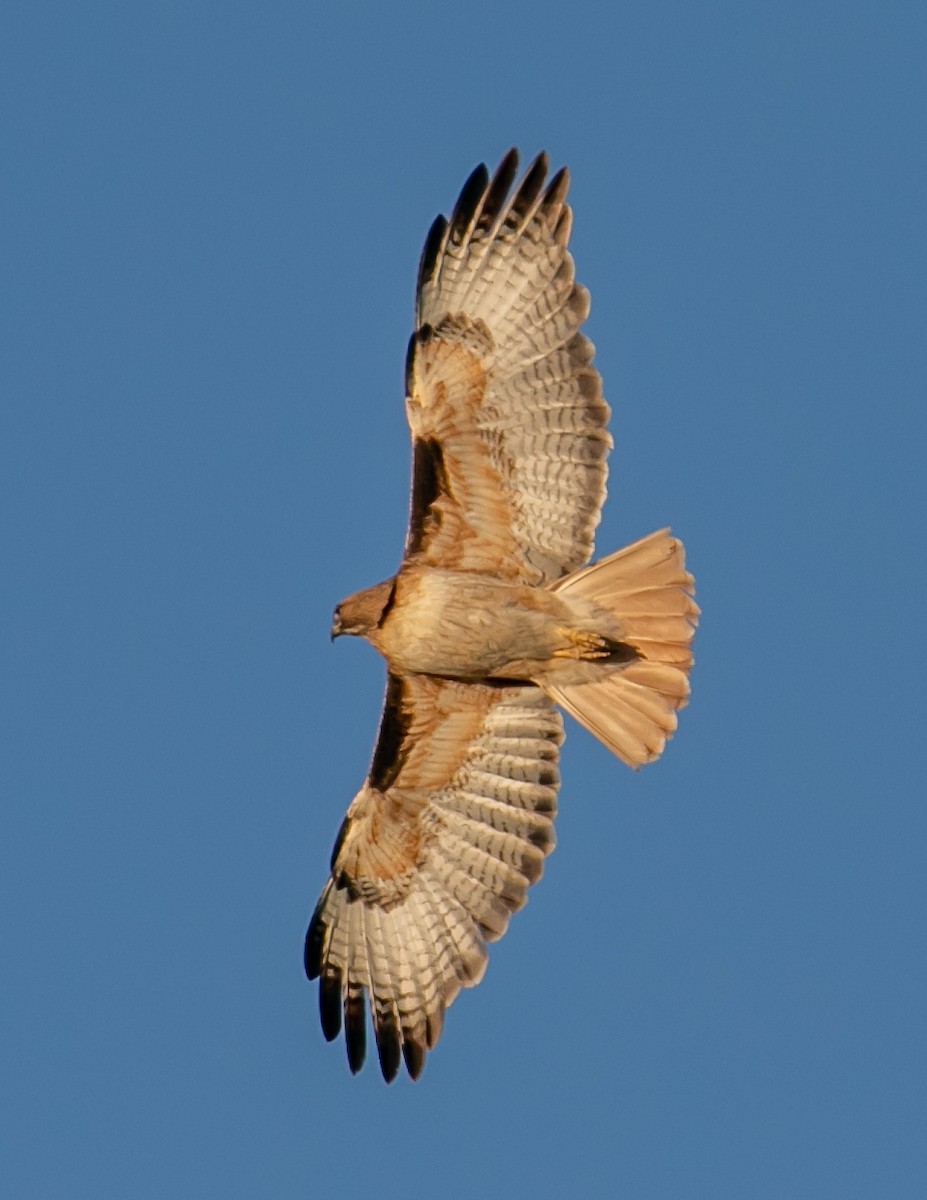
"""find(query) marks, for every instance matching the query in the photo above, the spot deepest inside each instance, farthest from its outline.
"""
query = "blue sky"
(210, 229)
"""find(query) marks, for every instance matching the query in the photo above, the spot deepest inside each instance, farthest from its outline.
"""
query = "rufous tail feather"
(646, 587)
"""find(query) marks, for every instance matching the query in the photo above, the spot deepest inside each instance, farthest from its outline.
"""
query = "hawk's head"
(364, 611)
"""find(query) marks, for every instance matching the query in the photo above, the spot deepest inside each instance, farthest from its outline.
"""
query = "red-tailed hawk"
(490, 620)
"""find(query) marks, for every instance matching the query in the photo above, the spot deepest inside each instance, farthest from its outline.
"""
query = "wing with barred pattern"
(506, 410)
(436, 852)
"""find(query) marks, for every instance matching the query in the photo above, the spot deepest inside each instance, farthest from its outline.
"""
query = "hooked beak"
(337, 628)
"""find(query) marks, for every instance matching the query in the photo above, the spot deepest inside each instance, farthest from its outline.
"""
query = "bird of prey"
(492, 620)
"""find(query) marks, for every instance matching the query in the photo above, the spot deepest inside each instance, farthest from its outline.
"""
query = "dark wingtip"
(355, 1028)
(508, 166)
(426, 264)
(538, 167)
(434, 1024)
(330, 1002)
(386, 1031)
(530, 187)
(414, 1055)
(502, 180)
(557, 188)
(315, 940)
(471, 194)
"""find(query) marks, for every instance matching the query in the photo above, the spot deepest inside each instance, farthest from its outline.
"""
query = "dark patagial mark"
(390, 751)
(429, 482)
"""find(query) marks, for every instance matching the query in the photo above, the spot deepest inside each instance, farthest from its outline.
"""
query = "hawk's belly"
(469, 626)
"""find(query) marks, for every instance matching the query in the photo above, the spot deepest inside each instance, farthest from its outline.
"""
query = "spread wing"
(436, 851)
(506, 410)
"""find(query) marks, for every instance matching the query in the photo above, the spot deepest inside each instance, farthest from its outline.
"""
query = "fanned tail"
(632, 708)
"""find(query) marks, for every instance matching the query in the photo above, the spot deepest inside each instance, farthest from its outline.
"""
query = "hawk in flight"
(492, 620)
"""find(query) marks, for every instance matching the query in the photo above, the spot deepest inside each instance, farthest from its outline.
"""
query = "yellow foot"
(583, 644)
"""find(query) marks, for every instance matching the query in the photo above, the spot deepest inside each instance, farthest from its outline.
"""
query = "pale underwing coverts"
(492, 617)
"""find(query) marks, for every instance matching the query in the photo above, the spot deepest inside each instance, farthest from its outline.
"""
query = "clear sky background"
(210, 222)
